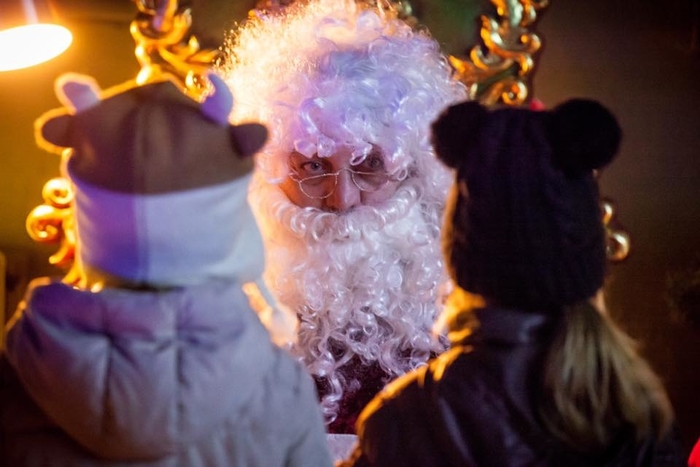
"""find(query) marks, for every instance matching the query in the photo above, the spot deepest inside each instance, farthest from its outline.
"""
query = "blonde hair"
(596, 383)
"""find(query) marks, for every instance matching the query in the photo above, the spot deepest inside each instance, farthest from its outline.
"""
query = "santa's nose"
(346, 195)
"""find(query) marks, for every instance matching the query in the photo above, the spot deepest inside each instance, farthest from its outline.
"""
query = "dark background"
(640, 58)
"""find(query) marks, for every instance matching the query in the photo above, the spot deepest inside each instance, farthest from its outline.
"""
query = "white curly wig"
(335, 73)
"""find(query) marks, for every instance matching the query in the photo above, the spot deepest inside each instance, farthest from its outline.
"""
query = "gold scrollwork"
(52, 222)
(164, 46)
(500, 69)
(618, 241)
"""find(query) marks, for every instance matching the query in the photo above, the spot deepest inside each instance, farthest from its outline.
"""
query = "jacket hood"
(137, 374)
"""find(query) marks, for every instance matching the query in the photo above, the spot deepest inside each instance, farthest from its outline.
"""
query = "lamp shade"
(28, 35)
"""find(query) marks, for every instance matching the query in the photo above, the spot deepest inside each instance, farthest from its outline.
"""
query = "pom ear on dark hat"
(450, 132)
(585, 135)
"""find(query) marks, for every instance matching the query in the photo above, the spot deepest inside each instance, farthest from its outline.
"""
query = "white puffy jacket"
(184, 377)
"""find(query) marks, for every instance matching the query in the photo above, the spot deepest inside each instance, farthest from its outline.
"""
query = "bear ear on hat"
(52, 130)
(454, 133)
(248, 138)
(585, 135)
(77, 93)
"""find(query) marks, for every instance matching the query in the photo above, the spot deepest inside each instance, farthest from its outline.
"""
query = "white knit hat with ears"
(160, 181)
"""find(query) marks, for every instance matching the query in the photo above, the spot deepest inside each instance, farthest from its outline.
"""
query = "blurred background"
(641, 58)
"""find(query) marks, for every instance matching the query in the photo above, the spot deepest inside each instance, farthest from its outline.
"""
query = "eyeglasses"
(323, 185)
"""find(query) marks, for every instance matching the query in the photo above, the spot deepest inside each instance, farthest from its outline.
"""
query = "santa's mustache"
(315, 225)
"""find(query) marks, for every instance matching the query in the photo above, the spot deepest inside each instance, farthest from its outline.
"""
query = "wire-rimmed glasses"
(322, 186)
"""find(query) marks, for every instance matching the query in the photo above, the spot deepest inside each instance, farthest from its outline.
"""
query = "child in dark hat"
(538, 374)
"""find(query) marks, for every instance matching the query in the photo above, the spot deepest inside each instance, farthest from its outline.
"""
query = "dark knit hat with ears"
(523, 225)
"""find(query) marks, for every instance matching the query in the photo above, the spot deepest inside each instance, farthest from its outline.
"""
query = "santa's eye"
(373, 163)
(310, 168)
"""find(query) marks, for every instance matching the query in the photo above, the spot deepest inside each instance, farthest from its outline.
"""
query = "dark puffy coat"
(474, 406)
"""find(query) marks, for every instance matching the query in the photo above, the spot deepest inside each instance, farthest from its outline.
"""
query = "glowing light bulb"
(25, 46)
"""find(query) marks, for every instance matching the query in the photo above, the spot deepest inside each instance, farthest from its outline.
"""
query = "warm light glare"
(25, 46)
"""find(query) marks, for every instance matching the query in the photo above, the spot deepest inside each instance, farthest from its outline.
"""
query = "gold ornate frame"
(500, 69)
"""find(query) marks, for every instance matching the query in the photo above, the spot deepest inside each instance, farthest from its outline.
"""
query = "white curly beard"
(365, 283)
